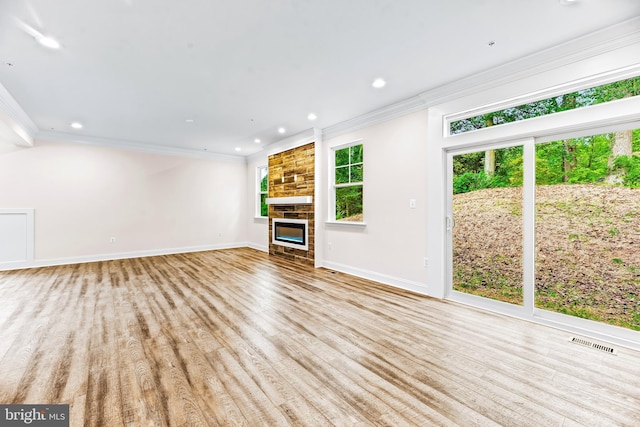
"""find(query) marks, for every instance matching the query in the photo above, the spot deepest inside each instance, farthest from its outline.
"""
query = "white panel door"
(16, 236)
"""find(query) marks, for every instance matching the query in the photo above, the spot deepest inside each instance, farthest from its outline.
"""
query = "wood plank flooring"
(233, 337)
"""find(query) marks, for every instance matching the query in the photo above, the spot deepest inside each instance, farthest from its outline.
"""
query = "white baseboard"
(408, 285)
(121, 255)
(257, 247)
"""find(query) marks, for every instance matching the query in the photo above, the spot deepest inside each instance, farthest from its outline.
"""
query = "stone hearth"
(292, 174)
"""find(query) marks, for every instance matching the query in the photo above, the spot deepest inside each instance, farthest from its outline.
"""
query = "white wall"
(83, 195)
(392, 246)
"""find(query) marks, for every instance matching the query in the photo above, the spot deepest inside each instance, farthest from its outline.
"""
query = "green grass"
(565, 298)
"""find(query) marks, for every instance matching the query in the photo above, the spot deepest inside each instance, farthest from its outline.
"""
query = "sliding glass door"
(587, 227)
(486, 223)
(552, 227)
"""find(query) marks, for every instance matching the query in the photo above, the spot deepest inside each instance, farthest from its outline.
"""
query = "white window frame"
(564, 88)
(259, 193)
(333, 185)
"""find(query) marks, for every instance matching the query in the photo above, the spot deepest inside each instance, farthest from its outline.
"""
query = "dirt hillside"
(587, 249)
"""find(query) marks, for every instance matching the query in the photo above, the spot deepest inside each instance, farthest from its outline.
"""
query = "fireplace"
(292, 233)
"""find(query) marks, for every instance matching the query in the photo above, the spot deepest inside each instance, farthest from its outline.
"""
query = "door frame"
(526, 309)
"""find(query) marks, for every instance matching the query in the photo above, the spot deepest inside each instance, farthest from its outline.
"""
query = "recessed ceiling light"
(281, 130)
(48, 42)
(76, 125)
(568, 2)
(189, 120)
(257, 140)
(238, 149)
(312, 116)
(379, 83)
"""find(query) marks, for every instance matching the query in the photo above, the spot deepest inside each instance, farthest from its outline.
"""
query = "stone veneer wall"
(298, 162)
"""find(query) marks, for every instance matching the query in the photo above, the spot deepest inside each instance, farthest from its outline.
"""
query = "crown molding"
(588, 46)
(16, 119)
(134, 146)
(398, 109)
(579, 49)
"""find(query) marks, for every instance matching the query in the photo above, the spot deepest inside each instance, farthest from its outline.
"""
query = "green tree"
(621, 141)
(264, 185)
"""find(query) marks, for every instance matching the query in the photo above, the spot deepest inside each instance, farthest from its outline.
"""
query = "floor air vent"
(600, 347)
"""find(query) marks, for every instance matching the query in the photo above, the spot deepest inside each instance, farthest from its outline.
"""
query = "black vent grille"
(587, 343)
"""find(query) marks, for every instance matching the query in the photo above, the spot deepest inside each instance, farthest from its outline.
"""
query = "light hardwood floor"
(234, 337)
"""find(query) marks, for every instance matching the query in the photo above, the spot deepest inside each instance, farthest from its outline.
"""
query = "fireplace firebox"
(292, 233)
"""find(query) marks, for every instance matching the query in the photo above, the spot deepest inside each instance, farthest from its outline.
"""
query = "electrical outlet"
(425, 262)
(412, 203)
(112, 240)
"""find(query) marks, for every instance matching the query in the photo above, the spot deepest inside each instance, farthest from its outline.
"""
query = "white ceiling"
(135, 70)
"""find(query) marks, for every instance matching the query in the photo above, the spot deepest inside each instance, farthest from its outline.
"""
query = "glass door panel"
(588, 227)
(487, 224)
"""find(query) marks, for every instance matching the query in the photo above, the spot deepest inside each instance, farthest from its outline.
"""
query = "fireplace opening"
(292, 233)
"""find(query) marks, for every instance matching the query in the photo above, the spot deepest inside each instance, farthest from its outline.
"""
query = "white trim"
(318, 207)
(331, 212)
(259, 192)
(275, 241)
(528, 223)
(14, 112)
(488, 304)
(346, 223)
(380, 115)
(134, 146)
(293, 200)
(298, 140)
(29, 237)
(351, 184)
(449, 219)
(614, 113)
(396, 282)
(346, 145)
(589, 130)
(257, 247)
(125, 255)
(588, 46)
(589, 328)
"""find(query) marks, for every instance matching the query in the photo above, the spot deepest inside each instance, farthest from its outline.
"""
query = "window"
(262, 209)
(348, 183)
(568, 101)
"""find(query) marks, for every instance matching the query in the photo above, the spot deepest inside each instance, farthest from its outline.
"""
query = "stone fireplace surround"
(292, 185)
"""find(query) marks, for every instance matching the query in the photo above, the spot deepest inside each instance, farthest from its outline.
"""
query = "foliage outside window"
(569, 101)
(608, 159)
(348, 183)
(263, 190)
